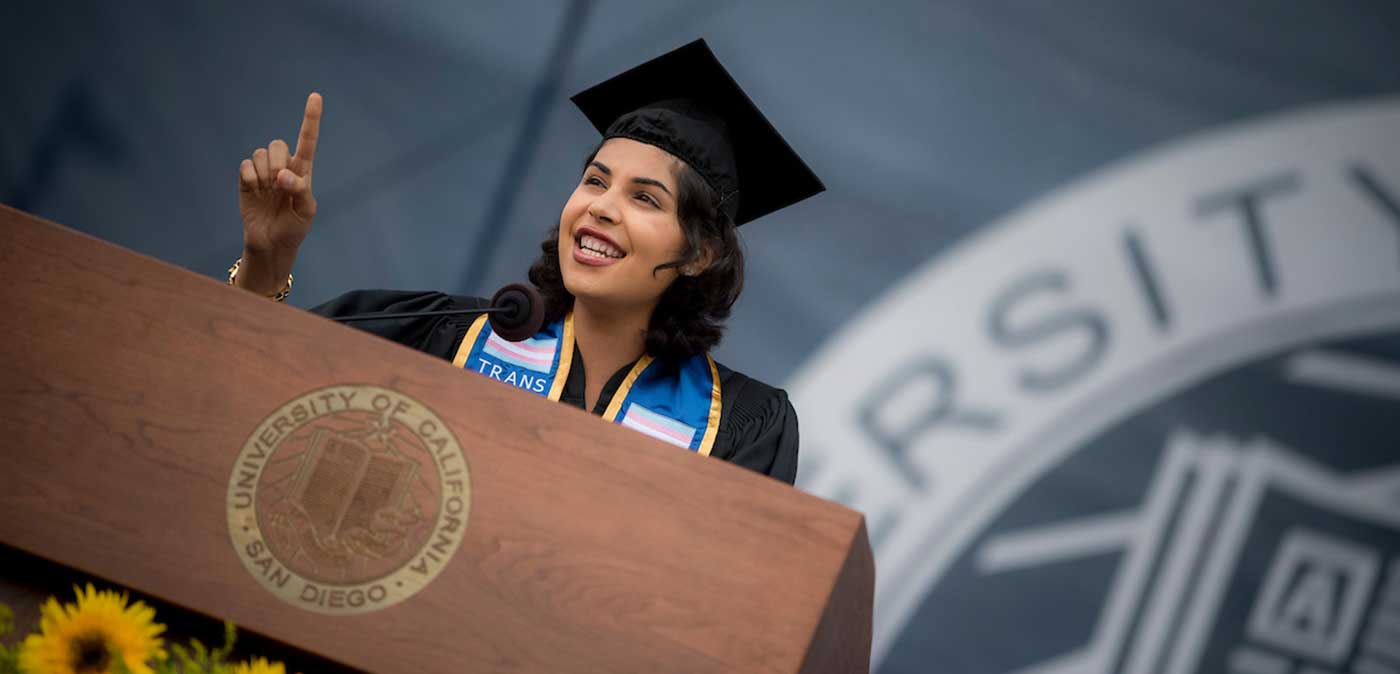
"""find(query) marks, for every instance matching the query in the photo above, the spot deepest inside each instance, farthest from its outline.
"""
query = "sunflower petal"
(98, 622)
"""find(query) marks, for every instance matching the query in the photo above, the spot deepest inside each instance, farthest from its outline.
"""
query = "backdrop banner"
(1144, 424)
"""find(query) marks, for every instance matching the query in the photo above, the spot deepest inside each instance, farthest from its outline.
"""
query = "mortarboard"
(687, 104)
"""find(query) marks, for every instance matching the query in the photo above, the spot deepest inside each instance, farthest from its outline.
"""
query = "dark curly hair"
(689, 318)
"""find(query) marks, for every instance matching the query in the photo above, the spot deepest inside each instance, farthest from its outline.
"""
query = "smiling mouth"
(593, 246)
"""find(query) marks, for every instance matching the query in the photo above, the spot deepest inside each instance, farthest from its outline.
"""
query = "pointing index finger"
(310, 129)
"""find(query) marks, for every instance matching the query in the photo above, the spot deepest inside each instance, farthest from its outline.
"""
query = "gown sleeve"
(433, 334)
(763, 432)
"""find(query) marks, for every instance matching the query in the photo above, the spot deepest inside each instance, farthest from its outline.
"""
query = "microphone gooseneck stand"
(516, 310)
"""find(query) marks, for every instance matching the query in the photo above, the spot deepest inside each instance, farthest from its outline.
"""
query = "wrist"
(266, 276)
(270, 255)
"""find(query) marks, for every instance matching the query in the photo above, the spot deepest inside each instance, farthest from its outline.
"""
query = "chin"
(591, 292)
(584, 288)
(601, 293)
(583, 280)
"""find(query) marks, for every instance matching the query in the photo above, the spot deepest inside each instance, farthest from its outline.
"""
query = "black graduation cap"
(686, 103)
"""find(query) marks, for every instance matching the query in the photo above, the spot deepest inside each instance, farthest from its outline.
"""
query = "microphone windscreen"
(526, 315)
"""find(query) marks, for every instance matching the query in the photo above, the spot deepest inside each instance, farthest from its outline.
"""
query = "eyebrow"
(649, 181)
(642, 181)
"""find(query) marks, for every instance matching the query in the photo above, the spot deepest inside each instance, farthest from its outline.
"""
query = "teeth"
(599, 247)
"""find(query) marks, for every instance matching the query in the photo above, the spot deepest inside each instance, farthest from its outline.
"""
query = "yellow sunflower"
(90, 637)
(259, 666)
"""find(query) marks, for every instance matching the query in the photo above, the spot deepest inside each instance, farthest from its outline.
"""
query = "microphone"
(517, 313)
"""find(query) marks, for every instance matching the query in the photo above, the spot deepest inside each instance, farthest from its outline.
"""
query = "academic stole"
(680, 407)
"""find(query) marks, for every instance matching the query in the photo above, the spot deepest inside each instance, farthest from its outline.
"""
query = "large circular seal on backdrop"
(348, 499)
(1143, 424)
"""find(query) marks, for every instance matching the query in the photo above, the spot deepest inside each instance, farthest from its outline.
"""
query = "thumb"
(299, 188)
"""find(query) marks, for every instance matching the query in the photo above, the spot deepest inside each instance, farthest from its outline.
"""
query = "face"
(621, 223)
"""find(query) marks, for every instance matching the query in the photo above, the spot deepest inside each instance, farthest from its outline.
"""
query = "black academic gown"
(758, 426)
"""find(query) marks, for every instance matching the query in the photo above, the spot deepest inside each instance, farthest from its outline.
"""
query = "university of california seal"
(1143, 425)
(348, 499)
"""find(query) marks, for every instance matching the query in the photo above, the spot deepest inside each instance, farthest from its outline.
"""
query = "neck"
(608, 337)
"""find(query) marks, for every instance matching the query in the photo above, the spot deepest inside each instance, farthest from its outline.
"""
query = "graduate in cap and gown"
(637, 278)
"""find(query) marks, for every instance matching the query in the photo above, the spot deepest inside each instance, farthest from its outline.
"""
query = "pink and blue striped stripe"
(532, 354)
(662, 428)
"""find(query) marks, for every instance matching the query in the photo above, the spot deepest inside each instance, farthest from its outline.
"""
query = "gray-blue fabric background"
(925, 120)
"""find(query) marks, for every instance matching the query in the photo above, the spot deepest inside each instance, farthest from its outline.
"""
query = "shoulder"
(751, 396)
(758, 427)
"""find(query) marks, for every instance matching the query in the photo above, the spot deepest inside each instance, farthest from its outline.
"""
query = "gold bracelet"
(279, 296)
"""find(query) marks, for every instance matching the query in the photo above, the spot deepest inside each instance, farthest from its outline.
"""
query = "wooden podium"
(143, 404)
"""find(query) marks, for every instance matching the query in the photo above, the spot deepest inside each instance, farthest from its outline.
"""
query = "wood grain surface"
(130, 386)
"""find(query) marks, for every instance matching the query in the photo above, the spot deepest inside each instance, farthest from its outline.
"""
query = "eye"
(594, 180)
(643, 196)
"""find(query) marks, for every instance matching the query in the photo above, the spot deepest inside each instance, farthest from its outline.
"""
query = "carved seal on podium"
(348, 499)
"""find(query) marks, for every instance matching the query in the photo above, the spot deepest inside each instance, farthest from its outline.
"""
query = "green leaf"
(7, 620)
(9, 655)
(187, 663)
(230, 636)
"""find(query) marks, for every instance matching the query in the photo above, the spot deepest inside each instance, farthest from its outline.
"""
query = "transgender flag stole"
(529, 364)
(680, 405)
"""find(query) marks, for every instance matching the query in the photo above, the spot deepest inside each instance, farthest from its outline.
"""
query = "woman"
(638, 275)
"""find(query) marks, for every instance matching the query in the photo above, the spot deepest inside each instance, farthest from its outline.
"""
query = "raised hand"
(277, 205)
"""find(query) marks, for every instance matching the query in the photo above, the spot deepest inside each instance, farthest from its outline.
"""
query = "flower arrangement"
(102, 632)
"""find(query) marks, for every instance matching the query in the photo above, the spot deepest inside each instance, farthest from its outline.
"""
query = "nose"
(604, 208)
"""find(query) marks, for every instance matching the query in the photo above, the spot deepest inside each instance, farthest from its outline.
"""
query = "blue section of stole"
(680, 406)
(672, 407)
(530, 364)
